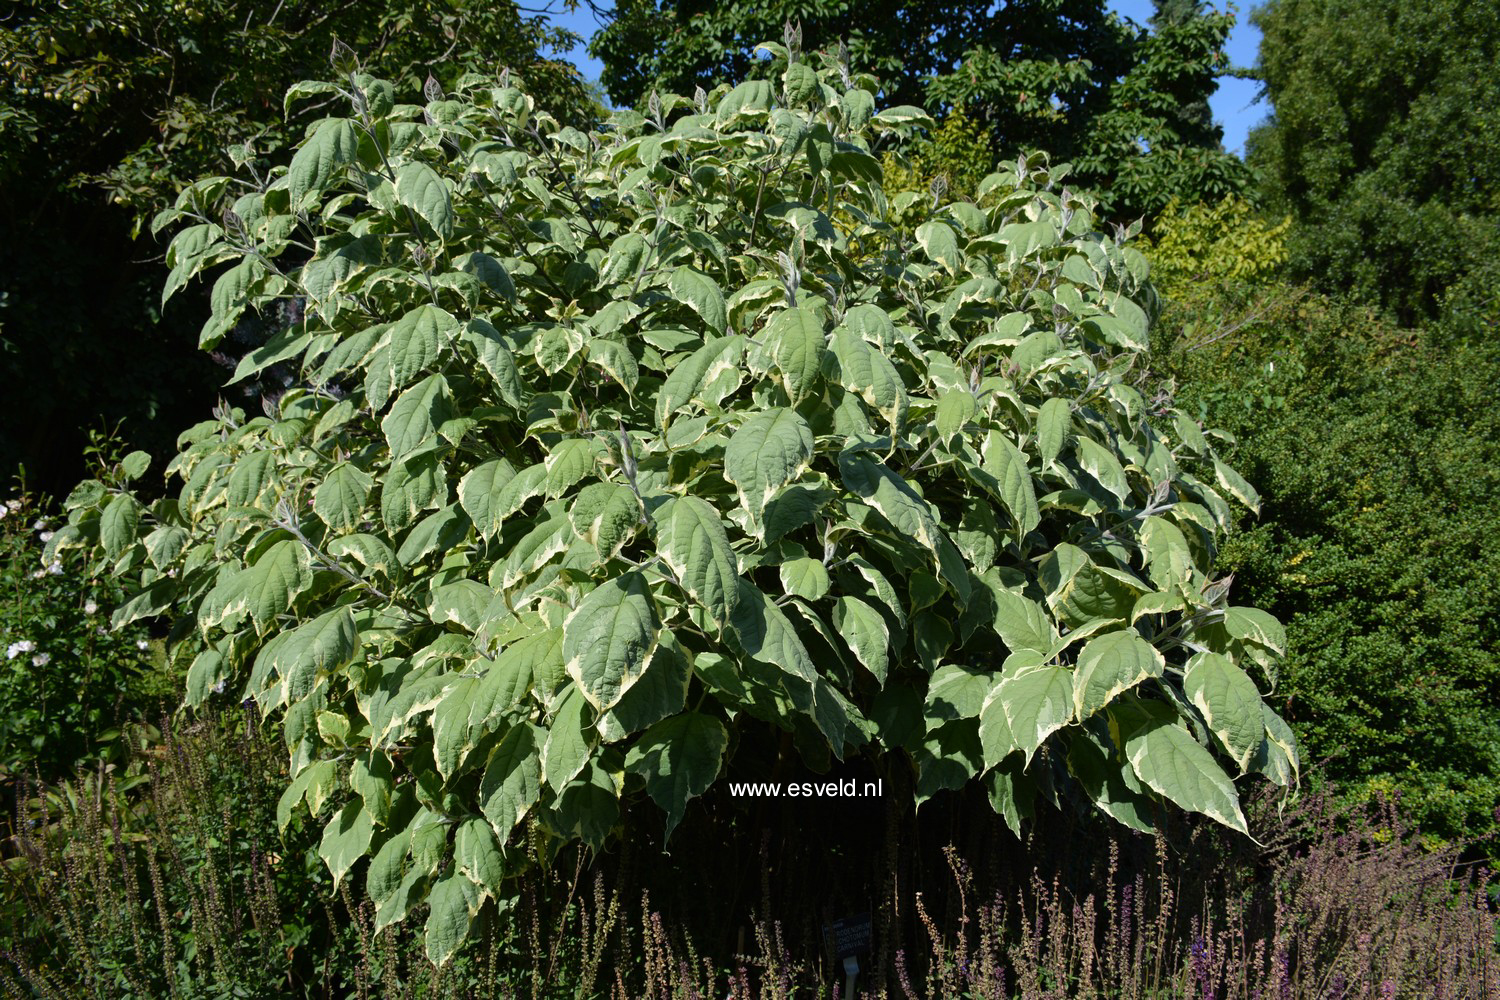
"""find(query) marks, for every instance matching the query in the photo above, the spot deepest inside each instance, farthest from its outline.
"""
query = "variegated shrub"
(607, 450)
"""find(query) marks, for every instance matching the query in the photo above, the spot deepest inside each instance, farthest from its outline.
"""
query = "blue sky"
(1233, 105)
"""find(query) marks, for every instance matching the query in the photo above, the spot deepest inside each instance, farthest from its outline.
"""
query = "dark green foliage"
(65, 679)
(673, 46)
(170, 880)
(1126, 106)
(140, 99)
(1379, 544)
(1385, 146)
(106, 109)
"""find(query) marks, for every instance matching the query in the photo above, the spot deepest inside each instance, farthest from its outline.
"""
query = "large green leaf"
(568, 465)
(326, 643)
(346, 838)
(627, 254)
(956, 692)
(768, 451)
(313, 783)
(264, 591)
(866, 633)
(1079, 591)
(570, 740)
(480, 494)
(1257, 626)
(448, 917)
(996, 740)
(860, 367)
(1021, 622)
(616, 361)
(679, 758)
(1110, 664)
(512, 780)
(417, 414)
(414, 342)
(437, 532)
(464, 603)
(1112, 789)
(606, 515)
(796, 340)
(1278, 757)
(1004, 461)
(588, 807)
(496, 358)
(1171, 763)
(1101, 463)
(1237, 486)
(1169, 558)
(477, 856)
(1037, 703)
(804, 577)
(253, 475)
(1054, 423)
(701, 294)
(119, 524)
(1012, 795)
(206, 671)
(940, 244)
(339, 500)
(424, 192)
(747, 100)
(1230, 703)
(334, 144)
(691, 539)
(948, 759)
(371, 778)
(411, 486)
(955, 408)
(607, 639)
(451, 732)
(708, 365)
(661, 691)
(765, 634)
(906, 511)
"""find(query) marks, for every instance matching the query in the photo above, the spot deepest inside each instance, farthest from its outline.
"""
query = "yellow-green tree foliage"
(1198, 248)
(960, 150)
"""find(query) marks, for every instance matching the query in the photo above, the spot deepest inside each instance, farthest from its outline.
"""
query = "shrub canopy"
(606, 453)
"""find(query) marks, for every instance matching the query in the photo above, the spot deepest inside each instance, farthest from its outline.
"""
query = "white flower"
(39, 525)
(141, 644)
(101, 630)
(4, 512)
(55, 569)
(90, 608)
(12, 505)
(41, 659)
(219, 686)
(39, 574)
(15, 649)
(45, 537)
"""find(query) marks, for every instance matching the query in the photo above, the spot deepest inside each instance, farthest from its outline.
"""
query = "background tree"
(1385, 147)
(106, 109)
(1127, 106)
(675, 45)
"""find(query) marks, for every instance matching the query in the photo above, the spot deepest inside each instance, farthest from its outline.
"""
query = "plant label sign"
(849, 936)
